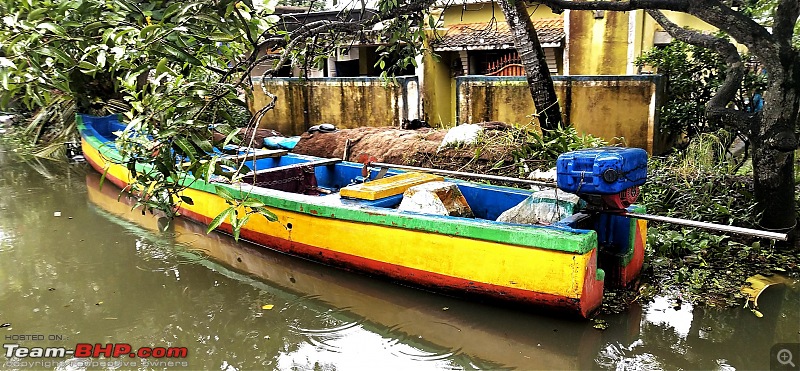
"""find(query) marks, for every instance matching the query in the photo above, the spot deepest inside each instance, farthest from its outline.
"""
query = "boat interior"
(278, 169)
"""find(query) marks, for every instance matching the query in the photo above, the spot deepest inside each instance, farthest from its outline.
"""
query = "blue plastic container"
(281, 142)
(601, 171)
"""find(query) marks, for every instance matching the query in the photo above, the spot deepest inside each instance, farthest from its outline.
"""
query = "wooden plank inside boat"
(251, 155)
(386, 187)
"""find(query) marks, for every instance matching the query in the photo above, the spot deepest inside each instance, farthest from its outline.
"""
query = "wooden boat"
(553, 267)
(502, 338)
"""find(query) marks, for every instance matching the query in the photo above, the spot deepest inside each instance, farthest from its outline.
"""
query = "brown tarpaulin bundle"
(390, 144)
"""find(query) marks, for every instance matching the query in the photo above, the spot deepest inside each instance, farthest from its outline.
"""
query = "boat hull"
(467, 261)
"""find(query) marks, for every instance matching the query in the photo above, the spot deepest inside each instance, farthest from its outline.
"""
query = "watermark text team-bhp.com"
(22, 356)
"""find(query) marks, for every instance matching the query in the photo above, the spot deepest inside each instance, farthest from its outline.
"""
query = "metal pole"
(711, 226)
(466, 175)
(655, 218)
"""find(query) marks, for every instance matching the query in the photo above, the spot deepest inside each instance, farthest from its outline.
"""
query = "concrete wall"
(475, 12)
(608, 43)
(438, 98)
(615, 108)
(597, 46)
(347, 102)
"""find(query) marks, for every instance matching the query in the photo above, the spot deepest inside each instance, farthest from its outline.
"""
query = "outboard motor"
(608, 178)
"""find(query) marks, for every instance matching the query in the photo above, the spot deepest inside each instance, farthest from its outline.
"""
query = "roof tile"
(496, 35)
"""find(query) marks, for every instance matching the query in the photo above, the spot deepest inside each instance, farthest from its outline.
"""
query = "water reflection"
(708, 338)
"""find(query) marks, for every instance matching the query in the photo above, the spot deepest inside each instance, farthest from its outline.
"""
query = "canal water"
(78, 266)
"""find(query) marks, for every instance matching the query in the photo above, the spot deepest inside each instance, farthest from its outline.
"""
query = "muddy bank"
(493, 153)
(384, 144)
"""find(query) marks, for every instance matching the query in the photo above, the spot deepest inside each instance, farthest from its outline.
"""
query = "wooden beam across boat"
(256, 155)
(250, 155)
(466, 175)
(323, 162)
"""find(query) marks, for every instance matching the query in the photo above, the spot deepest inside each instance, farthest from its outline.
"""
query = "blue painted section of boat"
(614, 232)
(102, 127)
(502, 199)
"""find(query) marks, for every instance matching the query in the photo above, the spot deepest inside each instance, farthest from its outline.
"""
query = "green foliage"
(707, 153)
(175, 64)
(177, 71)
(248, 206)
(314, 5)
(547, 146)
(692, 76)
(403, 38)
(763, 12)
(92, 49)
(701, 184)
(677, 243)
(698, 185)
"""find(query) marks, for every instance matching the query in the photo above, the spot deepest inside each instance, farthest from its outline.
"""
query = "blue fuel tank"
(601, 171)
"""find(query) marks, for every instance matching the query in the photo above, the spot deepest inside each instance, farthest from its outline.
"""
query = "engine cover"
(601, 171)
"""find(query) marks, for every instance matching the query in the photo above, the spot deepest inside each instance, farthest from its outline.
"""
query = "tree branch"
(786, 16)
(716, 109)
(314, 28)
(326, 26)
(713, 12)
(771, 50)
(307, 29)
(739, 26)
(559, 5)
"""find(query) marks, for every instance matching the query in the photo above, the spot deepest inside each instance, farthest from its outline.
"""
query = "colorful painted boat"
(553, 267)
(503, 339)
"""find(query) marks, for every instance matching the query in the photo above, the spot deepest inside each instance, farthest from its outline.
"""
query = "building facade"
(471, 50)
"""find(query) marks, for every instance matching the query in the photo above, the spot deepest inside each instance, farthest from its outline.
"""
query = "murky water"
(99, 273)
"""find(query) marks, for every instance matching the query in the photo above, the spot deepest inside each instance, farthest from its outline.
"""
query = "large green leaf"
(37, 14)
(219, 219)
(182, 55)
(54, 28)
(239, 226)
(224, 193)
(186, 147)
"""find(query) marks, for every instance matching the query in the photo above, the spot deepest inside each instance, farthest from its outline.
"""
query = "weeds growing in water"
(702, 183)
(46, 132)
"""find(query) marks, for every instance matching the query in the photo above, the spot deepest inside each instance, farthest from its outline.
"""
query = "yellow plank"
(385, 187)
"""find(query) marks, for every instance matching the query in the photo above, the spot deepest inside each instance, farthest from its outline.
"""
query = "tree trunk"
(774, 144)
(536, 70)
